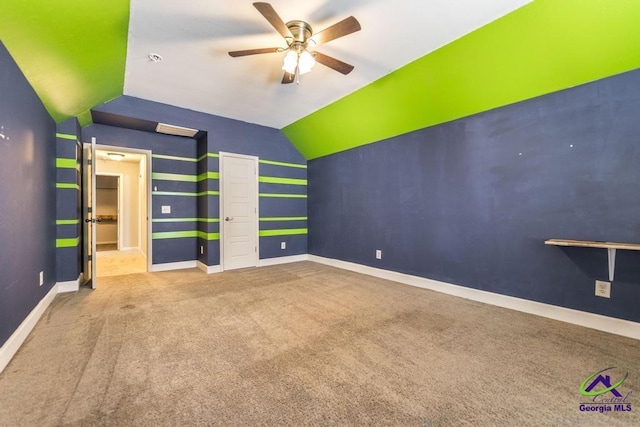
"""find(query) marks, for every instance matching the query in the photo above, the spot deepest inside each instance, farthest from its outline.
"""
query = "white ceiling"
(194, 36)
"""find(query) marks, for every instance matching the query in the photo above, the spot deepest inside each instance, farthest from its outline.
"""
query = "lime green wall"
(72, 52)
(543, 47)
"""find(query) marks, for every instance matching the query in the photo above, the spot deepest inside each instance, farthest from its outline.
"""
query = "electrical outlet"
(166, 209)
(603, 289)
(201, 250)
(378, 254)
(41, 278)
(283, 245)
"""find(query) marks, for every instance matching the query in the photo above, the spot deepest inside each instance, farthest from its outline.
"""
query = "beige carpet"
(118, 263)
(302, 344)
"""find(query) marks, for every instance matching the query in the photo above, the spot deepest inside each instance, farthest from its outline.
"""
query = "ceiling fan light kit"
(302, 61)
(300, 38)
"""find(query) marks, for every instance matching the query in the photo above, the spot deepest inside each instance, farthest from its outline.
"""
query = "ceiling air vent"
(176, 130)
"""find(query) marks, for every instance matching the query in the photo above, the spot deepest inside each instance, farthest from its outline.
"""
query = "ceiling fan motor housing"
(301, 32)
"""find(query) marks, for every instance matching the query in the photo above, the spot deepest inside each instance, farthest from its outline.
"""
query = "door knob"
(228, 218)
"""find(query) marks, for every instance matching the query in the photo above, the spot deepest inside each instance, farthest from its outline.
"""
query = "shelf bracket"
(611, 254)
(609, 246)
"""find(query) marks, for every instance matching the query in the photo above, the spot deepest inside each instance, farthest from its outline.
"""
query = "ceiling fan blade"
(346, 26)
(331, 62)
(288, 78)
(274, 19)
(237, 53)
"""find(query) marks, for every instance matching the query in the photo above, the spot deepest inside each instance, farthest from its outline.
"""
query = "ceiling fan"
(300, 38)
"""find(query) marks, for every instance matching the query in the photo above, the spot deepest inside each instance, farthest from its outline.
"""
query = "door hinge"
(255, 249)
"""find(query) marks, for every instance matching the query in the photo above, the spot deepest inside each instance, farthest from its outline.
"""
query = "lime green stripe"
(263, 161)
(173, 177)
(283, 232)
(67, 221)
(283, 218)
(207, 155)
(185, 220)
(174, 220)
(185, 178)
(174, 234)
(180, 193)
(67, 186)
(185, 234)
(189, 159)
(67, 243)
(284, 196)
(278, 180)
(208, 175)
(209, 236)
(208, 219)
(173, 193)
(66, 136)
(181, 159)
(184, 159)
(289, 165)
(63, 163)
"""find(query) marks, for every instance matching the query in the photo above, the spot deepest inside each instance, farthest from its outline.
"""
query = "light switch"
(166, 209)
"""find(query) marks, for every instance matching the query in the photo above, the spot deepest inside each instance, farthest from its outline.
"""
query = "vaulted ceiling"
(416, 63)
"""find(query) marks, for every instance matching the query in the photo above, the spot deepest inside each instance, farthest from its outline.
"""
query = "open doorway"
(109, 212)
(122, 211)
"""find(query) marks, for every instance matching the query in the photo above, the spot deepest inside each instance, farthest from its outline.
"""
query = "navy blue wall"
(68, 202)
(278, 159)
(27, 197)
(185, 206)
(471, 202)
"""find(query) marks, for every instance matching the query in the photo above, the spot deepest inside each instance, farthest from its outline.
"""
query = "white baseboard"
(70, 286)
(209, 269)
(282, 260)
(10, 348)
(594, 321)
(173, 266)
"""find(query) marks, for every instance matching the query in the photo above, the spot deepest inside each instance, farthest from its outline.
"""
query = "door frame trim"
(255, 159)
(87, 199)
(149, 182)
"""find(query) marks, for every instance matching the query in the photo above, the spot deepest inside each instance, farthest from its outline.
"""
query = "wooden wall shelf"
(609, 246)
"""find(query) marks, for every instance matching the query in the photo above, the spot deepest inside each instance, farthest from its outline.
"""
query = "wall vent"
(176, 130)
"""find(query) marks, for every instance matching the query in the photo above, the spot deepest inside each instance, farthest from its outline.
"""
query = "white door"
(89, 215)
(239, 210)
